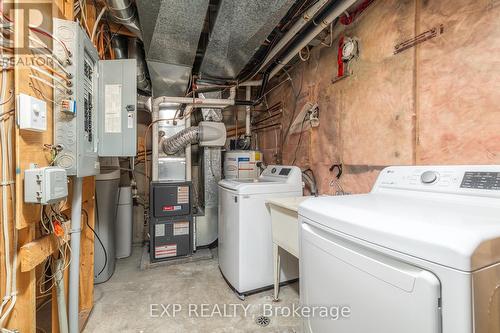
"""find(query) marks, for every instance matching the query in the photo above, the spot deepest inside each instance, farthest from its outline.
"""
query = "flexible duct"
(207, 134)
(180, 140)
(125, 12)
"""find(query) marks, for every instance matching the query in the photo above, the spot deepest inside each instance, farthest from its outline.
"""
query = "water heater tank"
(242, 164)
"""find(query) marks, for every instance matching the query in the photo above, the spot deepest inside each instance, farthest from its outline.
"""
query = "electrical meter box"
(170, 199)
(117, 107)
(45, 185)
(170, 237)
(75, 132)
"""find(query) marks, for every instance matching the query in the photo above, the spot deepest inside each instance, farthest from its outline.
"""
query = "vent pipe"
(136, 51)
(125, 12)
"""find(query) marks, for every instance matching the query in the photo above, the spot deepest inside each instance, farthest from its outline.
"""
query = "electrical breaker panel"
(95, 115)
(75, 108)
(45, 185)
(117, 107)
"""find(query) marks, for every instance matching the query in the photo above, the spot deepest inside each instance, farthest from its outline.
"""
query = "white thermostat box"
(31, 113)
(45, 185)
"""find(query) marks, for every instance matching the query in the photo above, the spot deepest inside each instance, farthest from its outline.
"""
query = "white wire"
(47, 83)
(60, 42)
(94, 29)
(53, 77)
(11, 271)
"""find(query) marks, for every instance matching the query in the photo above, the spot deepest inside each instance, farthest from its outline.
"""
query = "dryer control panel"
(459, 179)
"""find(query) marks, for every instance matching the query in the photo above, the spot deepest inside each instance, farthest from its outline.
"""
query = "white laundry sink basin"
(285, 223)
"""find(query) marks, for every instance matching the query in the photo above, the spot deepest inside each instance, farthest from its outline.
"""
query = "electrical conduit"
(74, 268)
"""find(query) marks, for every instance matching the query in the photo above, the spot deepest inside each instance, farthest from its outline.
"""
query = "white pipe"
(5, 221)
(247, 111)
(294, 30)
(10, 268)
(205, 102)
(61, 298)
(74, 268)
(252, 83)
(187, 111)
(332, 13)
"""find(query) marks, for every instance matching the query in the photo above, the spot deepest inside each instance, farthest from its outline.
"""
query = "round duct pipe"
(136, 51)
(125, 12)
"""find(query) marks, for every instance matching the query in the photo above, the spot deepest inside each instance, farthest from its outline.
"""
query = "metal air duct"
(125, 12)
(136, 51)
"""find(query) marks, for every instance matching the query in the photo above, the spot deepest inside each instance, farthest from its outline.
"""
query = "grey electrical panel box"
(117, 107)
(75, 104)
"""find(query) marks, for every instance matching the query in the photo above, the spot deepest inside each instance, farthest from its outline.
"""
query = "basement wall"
(436, 103)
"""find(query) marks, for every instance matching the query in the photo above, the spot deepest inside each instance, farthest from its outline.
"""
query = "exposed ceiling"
(239, 30)
(173, 31)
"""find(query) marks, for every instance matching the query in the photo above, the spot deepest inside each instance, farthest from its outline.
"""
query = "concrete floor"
(124, 303)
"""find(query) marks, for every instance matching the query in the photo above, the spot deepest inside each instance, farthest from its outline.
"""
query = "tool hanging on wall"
(347, 51)
(429, 34)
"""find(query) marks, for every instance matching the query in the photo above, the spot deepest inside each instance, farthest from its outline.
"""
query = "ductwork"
(207, 133)
(171, 31)
(119, 45)
(136, 51)
(125, 12)
(144, 103)
(180, 140)
(131, 48)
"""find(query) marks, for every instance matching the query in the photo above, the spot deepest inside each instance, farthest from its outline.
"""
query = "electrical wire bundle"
(53, 223)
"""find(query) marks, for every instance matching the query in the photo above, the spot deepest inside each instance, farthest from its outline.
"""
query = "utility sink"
(285, 223)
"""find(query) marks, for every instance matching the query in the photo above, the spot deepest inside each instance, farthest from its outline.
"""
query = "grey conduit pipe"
(74, 267)
(293, 31)
(327, 17)
(61, 298)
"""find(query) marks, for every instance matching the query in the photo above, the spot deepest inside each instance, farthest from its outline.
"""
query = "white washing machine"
(245, 239)
(419, 254)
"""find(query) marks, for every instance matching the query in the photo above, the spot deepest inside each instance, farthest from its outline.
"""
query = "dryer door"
(384, 295)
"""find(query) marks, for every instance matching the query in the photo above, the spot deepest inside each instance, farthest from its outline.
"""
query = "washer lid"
(453, 231)
(259, 186)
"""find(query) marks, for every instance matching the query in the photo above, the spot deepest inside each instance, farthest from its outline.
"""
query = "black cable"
(99, 239)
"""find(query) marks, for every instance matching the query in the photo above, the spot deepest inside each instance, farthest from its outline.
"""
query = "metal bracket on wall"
(429, 34)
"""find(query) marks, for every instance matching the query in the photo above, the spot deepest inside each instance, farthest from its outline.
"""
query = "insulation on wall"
(431, 104)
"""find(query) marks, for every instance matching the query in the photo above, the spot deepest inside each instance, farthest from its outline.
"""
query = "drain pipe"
(196, 102)
(330, 14)
(247, 110)
(74, 268)
(188, 147)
